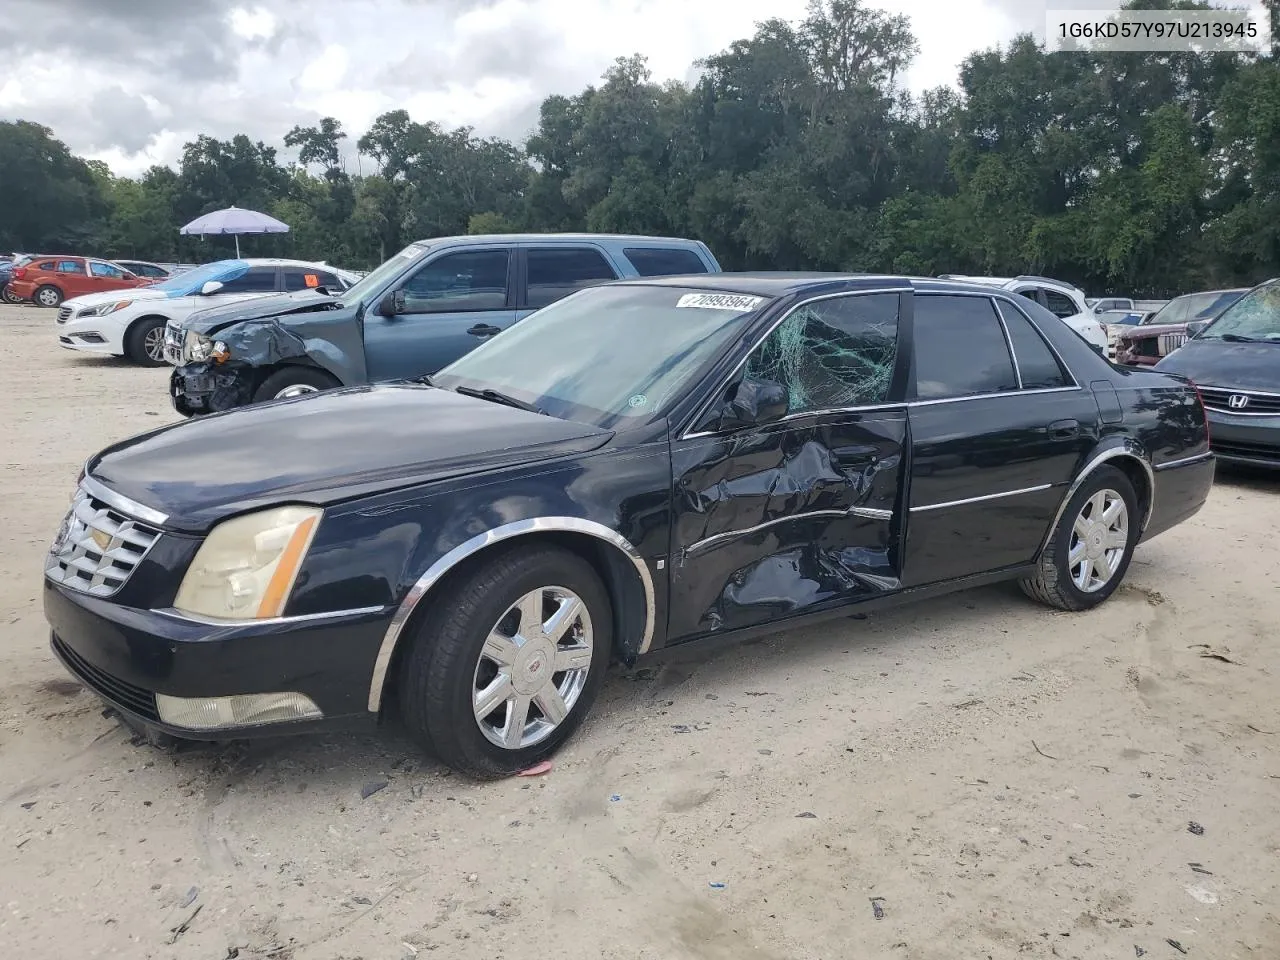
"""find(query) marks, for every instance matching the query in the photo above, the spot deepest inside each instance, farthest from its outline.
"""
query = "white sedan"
(131, 323)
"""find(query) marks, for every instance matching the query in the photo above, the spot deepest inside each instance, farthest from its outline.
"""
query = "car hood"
(1220, 363)
(111, 296)
(328, 447)
(1144, 331)
(259, 308)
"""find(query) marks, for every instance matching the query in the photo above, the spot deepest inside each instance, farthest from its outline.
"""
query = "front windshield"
(372, 281)
(607, 354)
(1194, 306)
(186, 284)
(1255, 316)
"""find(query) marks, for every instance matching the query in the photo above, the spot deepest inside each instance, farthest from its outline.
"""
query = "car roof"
(1206, 293)
(633, 239)
(781, 284)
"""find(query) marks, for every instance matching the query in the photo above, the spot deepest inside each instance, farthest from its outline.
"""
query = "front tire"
(293, 382)
(1090, 549)
(505, 666)
(144, 344)
(48, 296)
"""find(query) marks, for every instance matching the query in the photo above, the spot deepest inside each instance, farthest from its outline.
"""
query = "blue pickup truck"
(431, 303)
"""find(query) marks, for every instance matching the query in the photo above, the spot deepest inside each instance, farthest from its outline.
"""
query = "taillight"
(19, 273)
(1203, 411)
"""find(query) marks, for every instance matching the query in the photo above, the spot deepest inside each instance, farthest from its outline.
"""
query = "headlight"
(197, 348)
(246, 567)
(102, 309)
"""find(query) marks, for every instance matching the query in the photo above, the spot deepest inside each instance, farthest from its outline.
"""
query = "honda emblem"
(1238, 401)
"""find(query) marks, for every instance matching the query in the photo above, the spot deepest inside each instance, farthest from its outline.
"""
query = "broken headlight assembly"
(197, 348)
(246, 567)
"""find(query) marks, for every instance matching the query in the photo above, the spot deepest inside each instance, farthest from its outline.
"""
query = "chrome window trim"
(996, 296)
(467, 548)
(702, 409)
(1214, 386)
(988, 396)
(173, 613)
(865, 513)
(982, 499)
(131, 508)
(1008, 341)
(1186, 461)
(1083, 475)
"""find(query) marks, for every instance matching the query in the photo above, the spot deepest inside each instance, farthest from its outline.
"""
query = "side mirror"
(1097, 310)
(210, 287)
(755, 402)
(1195, 326)
(391, 304)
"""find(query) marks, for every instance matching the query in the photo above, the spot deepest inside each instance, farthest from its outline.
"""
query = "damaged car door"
(787, 491)
(444, 309)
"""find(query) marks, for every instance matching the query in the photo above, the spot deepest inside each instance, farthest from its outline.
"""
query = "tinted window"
(299, 278)
(1059, 304)
(832, 353)
(48, 265)
(99, 269)
(257, 280)
(959, 348)
(654, 262)
(556, 273)
(146, 270)
(1036, 363)
(65, 266)
(465, 281)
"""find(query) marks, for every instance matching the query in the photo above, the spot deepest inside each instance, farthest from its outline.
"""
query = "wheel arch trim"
(1128, 449)
(468, 548)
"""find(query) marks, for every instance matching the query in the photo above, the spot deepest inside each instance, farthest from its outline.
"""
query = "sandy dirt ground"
(1002, 780)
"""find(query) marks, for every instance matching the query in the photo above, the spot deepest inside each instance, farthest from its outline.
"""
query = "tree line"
(796, 148)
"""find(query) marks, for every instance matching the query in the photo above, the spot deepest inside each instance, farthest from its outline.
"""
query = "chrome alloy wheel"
(48, 297)
(1099, 538)
(532, 668)
(294, 390)
(153, 344)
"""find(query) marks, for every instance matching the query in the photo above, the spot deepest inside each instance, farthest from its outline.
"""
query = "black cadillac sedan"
(1235, 361)
(639, 465)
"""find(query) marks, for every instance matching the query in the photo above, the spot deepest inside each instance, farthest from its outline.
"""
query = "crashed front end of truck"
(224, 357)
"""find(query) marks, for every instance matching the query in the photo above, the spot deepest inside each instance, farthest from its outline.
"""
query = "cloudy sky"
(128, 81)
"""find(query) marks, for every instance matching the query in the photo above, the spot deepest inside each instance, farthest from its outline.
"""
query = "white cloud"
(223, 67)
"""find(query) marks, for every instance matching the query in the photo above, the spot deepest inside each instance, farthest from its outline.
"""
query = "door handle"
(484, 330)
(1062, 429)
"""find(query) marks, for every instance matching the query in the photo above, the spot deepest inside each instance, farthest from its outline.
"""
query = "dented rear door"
(794, 516)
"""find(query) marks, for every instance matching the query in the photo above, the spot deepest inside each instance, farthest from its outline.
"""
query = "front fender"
(396, 550)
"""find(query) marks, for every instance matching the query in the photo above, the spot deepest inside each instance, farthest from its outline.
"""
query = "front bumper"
(197, 388)
(127, 656)
(1250, 440)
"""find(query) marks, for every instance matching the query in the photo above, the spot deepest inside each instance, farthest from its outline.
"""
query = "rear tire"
(144, 343)
(1090, 549)
(294, 382)
(508, 662)
(47, 296)
(9, 296)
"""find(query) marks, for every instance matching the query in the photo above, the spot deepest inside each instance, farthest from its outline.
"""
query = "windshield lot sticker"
(720, 301)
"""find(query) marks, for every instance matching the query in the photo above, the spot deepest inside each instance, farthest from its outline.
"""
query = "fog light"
(241, 710)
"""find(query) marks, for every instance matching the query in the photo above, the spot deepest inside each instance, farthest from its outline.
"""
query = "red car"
(49, 280)
(1158, 335)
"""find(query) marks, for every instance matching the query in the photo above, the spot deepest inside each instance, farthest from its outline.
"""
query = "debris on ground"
(1176, 945)
(1199, 868)
(369, 789)
(615, 797)
(807, 815)
(190, 898)
(1138, 951)
(185, 925)
(1195, 828)
(363, 901)
(680, 727)
(537, 770)
(716, 885)
(877, 911)
(1041, 752)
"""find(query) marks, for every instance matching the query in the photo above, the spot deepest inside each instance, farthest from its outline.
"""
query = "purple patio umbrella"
(235, 221)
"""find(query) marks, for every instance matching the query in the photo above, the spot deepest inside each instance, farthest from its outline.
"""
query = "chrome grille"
(1170, 342)
(64, 314)
(97, 547)
(173, 343)
(1257, 404)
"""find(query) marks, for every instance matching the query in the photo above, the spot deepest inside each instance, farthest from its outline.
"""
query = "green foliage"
(795, 148)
